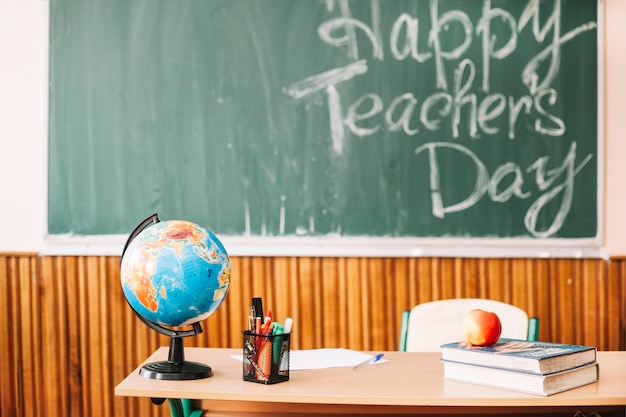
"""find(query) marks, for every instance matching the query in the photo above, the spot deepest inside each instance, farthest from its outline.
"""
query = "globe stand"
(176, 368)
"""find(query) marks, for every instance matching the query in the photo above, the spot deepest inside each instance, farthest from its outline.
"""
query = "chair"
(429, 325)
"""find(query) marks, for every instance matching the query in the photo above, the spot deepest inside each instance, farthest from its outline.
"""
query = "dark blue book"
(521, 355)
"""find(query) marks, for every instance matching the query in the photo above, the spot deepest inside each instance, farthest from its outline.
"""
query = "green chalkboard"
(385, 118)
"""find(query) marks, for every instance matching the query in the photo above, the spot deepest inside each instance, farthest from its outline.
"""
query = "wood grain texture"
(70, 337)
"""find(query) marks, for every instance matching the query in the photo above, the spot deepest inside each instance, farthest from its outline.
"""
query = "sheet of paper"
(323, 358)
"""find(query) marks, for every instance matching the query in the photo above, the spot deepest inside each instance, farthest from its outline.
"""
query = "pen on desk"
(373, 359)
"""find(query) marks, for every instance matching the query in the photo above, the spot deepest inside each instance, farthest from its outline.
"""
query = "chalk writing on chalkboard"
(381, 118)
(408, 113)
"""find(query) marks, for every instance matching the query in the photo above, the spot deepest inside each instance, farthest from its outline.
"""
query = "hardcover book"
(519, 381)
(521, 355)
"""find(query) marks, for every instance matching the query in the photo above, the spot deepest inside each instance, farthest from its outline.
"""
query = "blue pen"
(373, 359)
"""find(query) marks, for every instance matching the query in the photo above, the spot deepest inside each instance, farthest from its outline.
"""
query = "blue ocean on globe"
(175, 273)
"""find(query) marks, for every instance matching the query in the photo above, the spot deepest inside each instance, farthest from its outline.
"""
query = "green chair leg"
(189, 408)
(176, 407)
(404, 328)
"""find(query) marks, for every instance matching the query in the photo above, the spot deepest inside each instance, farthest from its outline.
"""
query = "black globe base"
(175, 368)
(175, 371)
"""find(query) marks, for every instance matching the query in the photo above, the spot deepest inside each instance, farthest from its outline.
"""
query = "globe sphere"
(175, 273)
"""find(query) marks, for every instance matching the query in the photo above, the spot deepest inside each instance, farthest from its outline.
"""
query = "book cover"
(521, 355)
(520, 381)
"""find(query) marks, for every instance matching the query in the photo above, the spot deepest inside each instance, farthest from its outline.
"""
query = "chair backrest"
(434, 323)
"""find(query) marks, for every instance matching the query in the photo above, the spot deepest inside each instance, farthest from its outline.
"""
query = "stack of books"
(541, 368)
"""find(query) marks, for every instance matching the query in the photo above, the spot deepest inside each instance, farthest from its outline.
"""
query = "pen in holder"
(266, 357)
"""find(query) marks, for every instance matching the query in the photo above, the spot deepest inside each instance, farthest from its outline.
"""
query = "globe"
(174, 273)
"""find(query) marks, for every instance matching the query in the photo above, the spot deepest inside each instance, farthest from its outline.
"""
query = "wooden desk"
(411, 383)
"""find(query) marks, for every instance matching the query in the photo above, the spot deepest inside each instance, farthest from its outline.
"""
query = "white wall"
(23, 125)
(615, 127)
(23, 121)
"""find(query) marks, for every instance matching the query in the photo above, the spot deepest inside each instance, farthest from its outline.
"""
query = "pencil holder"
(266, 357)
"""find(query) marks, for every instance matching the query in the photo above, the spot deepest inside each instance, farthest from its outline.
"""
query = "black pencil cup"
(266, 357)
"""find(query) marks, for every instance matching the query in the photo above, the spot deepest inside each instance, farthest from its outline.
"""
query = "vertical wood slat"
(54, 393)
(71, 337)
(8, 394)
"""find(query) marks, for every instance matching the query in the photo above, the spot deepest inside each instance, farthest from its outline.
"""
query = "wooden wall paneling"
(324, 301)
(88, 298)
(14, 331)
(31, 327)
(400, 273)
(377, 317)
(444, 274)
(408, 292)
(25, 335)
(315, 301)
(261, 281)
(119, 321)
(343, 319)
(10, 322)
(307, 288)
(533, 279)
(71, 306)
(395, 300)
(482, 282)
(472, 274)
(540, 303)
(354, 306)
(430, 274)
(423, 280)
(619, 288)
(569, 300)
(603, 297)
(521, 282)
(363, 306)
(495, 284)
(293, 309)
(616, 308)
(448, 277)
(329, 302)
(108, 279)
(578, 315)
(71, 337)
(592, 307)
(621, 306)
(560, 295)
(282, 294)
(616, 314)
(54, 392)
(404, 292)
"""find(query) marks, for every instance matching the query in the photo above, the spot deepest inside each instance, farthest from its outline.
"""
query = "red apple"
(481, 328)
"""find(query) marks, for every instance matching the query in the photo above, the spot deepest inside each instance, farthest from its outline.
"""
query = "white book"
(546, 384)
